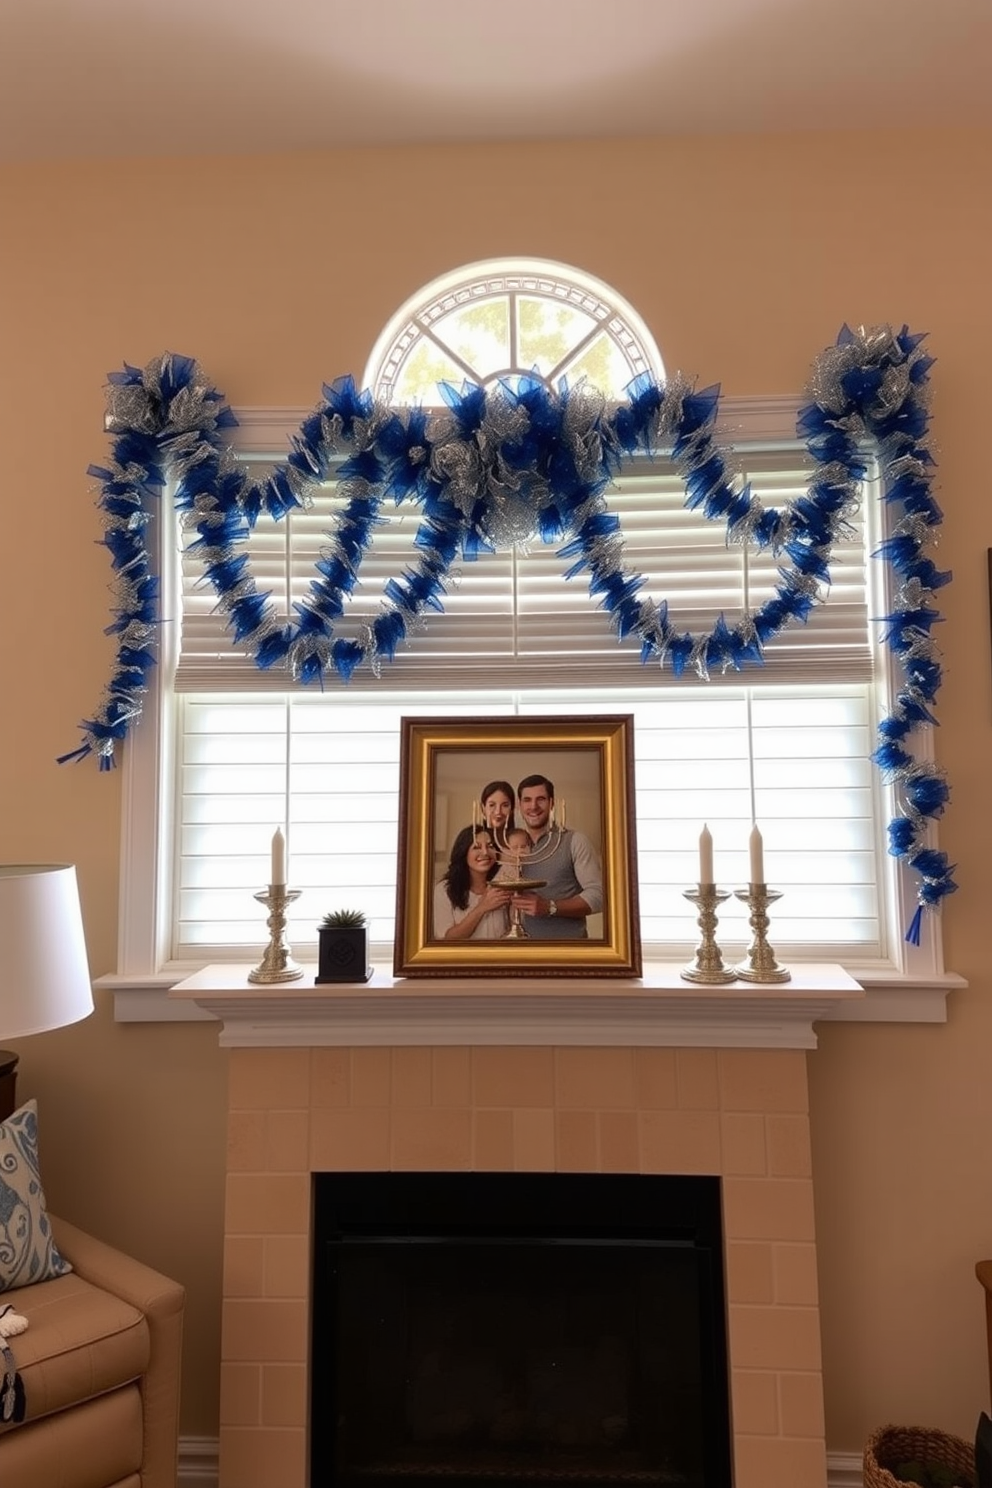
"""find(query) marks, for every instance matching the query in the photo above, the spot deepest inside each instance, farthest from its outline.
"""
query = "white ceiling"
(129, 77)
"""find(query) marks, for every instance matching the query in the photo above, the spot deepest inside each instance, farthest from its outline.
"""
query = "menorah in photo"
(515, 849)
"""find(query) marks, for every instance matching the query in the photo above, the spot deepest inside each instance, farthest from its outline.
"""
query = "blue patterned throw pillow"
(28, 1252)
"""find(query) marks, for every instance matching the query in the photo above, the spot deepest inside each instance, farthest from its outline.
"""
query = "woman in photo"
(467, 904)
(499, 801)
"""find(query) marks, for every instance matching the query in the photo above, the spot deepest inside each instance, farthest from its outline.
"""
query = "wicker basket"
(892, 1445)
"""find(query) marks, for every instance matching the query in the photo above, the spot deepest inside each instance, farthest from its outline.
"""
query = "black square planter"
(343, 954)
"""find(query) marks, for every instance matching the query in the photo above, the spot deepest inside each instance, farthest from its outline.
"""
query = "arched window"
(505, 317)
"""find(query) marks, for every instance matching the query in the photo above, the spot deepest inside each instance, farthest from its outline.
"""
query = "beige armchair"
(100, 1365)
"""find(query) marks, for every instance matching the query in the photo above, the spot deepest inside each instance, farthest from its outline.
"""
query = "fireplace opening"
(521, 1329)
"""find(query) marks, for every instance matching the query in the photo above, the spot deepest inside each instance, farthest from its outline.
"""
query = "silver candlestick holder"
(277, 965)
(761, 965)
(708, 966)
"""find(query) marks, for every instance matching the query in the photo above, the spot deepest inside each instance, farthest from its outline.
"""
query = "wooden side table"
(8, 1083)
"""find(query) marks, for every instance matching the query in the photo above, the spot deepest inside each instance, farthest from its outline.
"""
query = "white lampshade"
(44, 973)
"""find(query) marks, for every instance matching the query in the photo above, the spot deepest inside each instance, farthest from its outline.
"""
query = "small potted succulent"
(343, 947)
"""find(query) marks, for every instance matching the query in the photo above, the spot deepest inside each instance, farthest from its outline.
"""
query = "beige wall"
(745, 257)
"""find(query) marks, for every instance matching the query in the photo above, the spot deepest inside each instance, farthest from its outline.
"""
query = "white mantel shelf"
(658, 1009)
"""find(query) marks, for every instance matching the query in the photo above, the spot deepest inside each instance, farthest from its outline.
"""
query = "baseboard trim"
(199, 1459)
(845, 1470)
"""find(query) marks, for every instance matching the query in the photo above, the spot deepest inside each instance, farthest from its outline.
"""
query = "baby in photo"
(514, 847)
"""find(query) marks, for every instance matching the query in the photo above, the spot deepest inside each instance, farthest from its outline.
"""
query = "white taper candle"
(757, 849)
(706, 856)
(277, 873)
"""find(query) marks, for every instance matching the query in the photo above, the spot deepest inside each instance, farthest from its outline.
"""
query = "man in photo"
(565, 859)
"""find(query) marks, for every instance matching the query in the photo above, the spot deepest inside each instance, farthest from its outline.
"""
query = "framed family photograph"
(517, 851)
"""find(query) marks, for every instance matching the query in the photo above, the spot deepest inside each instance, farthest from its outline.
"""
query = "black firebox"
(510, 1330)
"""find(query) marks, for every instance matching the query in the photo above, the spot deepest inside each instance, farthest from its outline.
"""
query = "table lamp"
(44, 974)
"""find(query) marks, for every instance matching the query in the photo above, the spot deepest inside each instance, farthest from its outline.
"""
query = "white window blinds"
(512, 620)
(790, 741)
(328, 766)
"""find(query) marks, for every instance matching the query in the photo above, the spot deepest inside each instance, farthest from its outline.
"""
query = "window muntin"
(493, 320)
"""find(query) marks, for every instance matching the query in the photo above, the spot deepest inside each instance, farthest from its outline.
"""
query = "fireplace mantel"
(656, 1010)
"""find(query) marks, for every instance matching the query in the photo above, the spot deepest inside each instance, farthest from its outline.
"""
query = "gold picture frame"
(445, 763)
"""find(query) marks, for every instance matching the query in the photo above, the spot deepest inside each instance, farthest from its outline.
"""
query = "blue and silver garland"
(503, 466)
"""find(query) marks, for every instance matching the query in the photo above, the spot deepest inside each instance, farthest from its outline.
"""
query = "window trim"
(912, 987)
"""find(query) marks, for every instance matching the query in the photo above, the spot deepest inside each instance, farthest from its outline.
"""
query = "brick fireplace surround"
(643, 1078)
